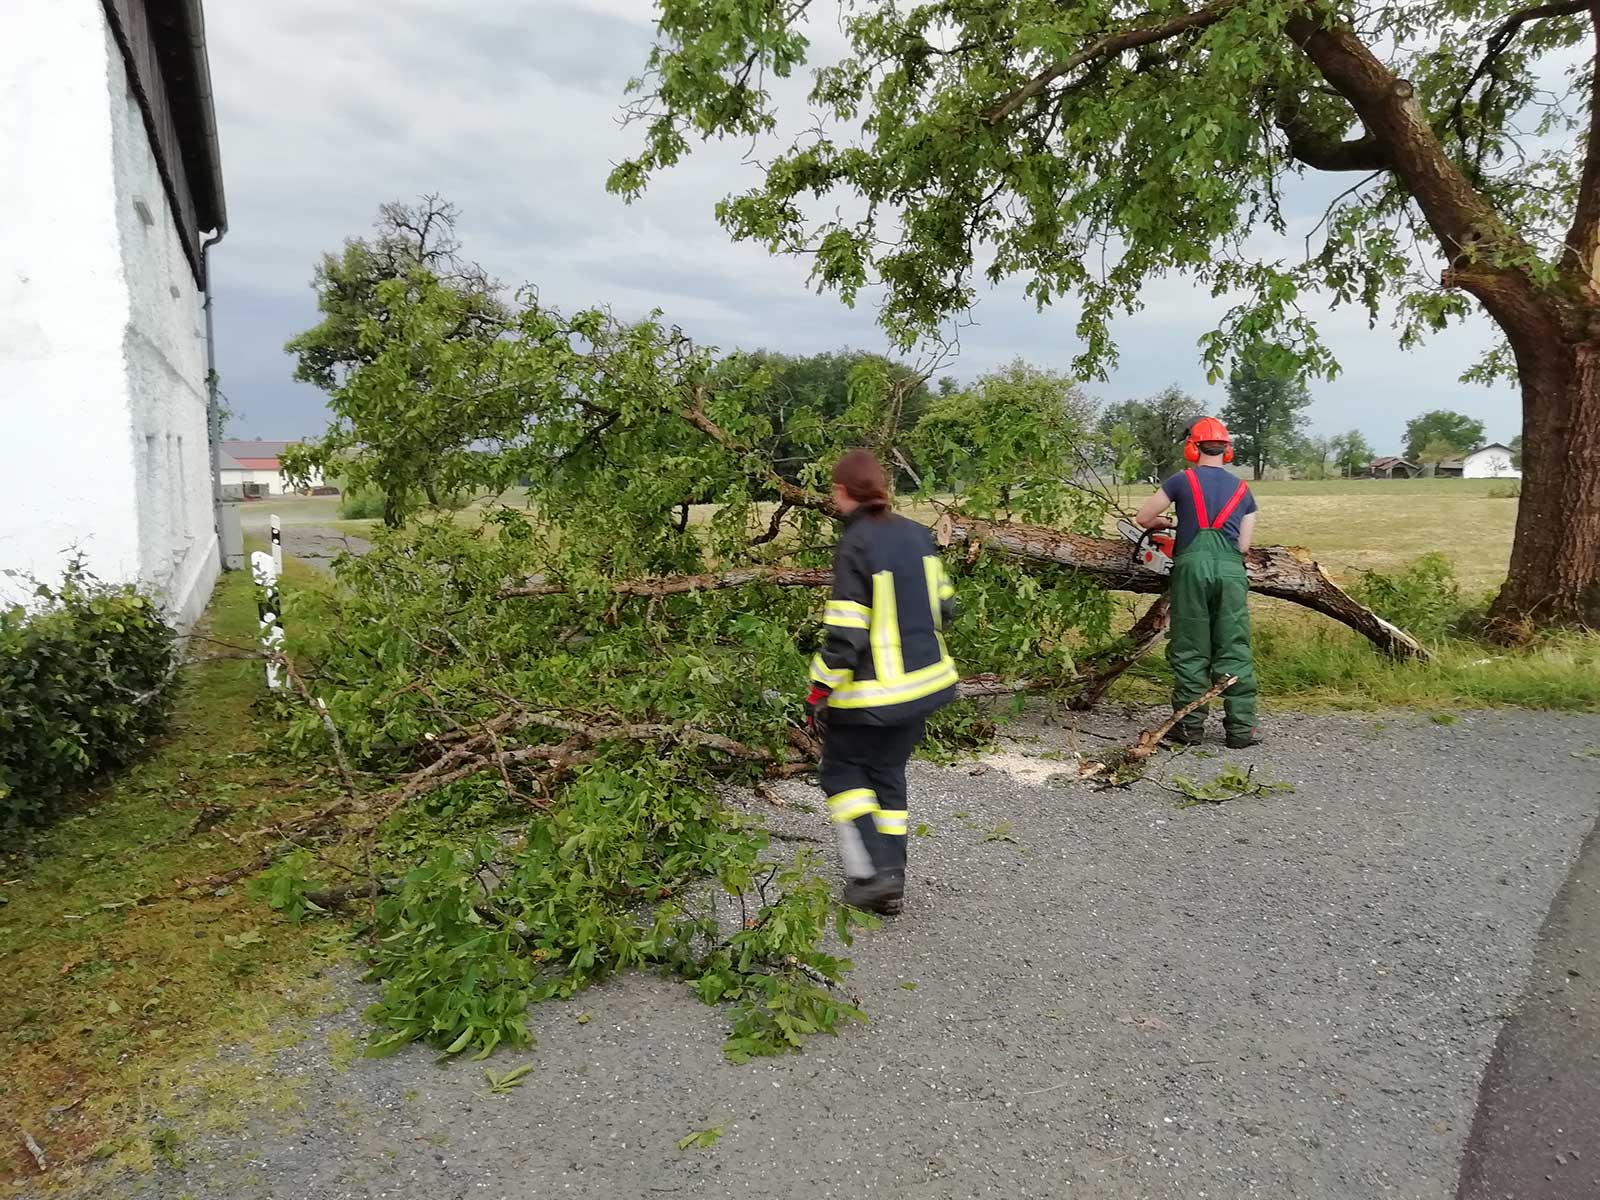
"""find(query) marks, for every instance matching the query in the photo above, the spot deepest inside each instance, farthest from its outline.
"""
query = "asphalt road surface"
(1092, 994)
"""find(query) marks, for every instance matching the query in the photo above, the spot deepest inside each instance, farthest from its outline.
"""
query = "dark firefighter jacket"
(884, 657)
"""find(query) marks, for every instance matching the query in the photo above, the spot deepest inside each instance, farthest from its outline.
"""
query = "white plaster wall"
(165, 353)
(66, 476)
(1489, 464)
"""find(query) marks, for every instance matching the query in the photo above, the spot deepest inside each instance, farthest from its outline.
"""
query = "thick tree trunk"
(1555, 559)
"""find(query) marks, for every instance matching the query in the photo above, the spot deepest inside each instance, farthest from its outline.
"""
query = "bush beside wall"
(84, 676)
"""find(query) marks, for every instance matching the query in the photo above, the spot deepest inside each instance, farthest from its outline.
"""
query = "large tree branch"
(1466, 225)
(1109, 45)
(1583, 241)
(1277, 571)
(1322, 152)
(1495, 45)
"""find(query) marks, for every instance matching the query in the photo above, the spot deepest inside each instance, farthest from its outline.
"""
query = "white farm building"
(112, 194)
(250, 470)
(1493, 461)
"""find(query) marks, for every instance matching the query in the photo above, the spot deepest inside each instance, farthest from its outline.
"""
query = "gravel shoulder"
(1090, 994)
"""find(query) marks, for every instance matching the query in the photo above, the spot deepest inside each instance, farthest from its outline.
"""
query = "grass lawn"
(1365, 524)
(118, 1005)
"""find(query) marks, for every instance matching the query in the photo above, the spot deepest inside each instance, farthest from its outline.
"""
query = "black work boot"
(1243, 741)
(884, 893)
(1180, 735)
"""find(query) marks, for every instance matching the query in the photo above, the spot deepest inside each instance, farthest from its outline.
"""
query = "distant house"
(251, 469)
(1448, 468)
(113, 201)
(1493, 461)
(1392, 467)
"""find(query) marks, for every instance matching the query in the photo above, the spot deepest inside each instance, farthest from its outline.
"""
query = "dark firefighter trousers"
(863, 772)
(1210, 637)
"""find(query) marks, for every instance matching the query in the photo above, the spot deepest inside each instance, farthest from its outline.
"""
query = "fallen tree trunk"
(1279, 571)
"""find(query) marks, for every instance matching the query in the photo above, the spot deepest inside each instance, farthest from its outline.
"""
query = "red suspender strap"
(1199, 499)
(1227, 509)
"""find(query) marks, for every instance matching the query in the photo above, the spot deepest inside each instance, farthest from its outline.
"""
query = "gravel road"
(1285, 997)
(318, 545)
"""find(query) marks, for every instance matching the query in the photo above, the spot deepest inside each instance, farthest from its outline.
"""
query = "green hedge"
(83, 685)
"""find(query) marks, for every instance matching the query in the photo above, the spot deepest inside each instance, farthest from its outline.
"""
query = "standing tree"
(1267, 399)
(1010, 421)
(1150, 431)
(1438, 450)
(1094, 148)
(1308, 456)
(1352, 452)
(370, 296)
(804, 396)
(1516, 452)
(1452, 429)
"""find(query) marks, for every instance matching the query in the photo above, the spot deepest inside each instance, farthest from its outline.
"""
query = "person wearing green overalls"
(1210, 635)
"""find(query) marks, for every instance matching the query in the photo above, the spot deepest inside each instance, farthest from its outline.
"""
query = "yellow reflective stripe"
(887, 662)
(827, 676)
(891, 822)
(857, 802)
(913, 685)
(933, 569)
(847, 614)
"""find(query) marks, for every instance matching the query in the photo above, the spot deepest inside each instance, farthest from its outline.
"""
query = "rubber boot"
(883, 893)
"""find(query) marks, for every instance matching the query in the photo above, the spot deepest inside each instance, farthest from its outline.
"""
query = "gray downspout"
(213, 406)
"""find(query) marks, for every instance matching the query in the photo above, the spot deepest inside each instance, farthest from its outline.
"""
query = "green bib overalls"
(1210, 637)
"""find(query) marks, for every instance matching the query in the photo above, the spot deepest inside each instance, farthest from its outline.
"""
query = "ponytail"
(862, 477)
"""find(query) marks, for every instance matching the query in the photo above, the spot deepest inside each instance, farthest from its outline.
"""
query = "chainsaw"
(1152, 548)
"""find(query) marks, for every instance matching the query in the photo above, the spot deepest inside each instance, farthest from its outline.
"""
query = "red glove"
(817, 709)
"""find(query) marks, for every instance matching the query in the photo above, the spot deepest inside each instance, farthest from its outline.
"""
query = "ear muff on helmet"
(1207, 429)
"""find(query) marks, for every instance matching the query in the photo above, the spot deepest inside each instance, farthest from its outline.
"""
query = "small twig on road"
(34, 1149)
(1054, 1087)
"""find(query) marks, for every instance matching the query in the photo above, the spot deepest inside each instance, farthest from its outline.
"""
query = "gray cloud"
(510, 109)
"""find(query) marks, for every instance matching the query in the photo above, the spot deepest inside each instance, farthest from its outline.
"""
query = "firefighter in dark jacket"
(882, 671)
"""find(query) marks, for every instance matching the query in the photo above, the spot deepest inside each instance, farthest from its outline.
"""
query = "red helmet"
(1207, 429)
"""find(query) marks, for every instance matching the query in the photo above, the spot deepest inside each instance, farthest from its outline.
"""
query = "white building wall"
(1489, 463)
(102, 353)
(66, 476)
(165, 352)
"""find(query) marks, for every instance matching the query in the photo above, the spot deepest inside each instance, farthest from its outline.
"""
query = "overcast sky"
(508, 108)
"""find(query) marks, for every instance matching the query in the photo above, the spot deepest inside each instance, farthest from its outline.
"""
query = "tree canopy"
(1267, 399)
(404, 423)
(1442, 429)
(1352, 452)
(1092, 150)
(1145, 437)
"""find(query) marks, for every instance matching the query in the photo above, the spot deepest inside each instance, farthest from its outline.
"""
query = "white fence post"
(270, 608)
(277, 546)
